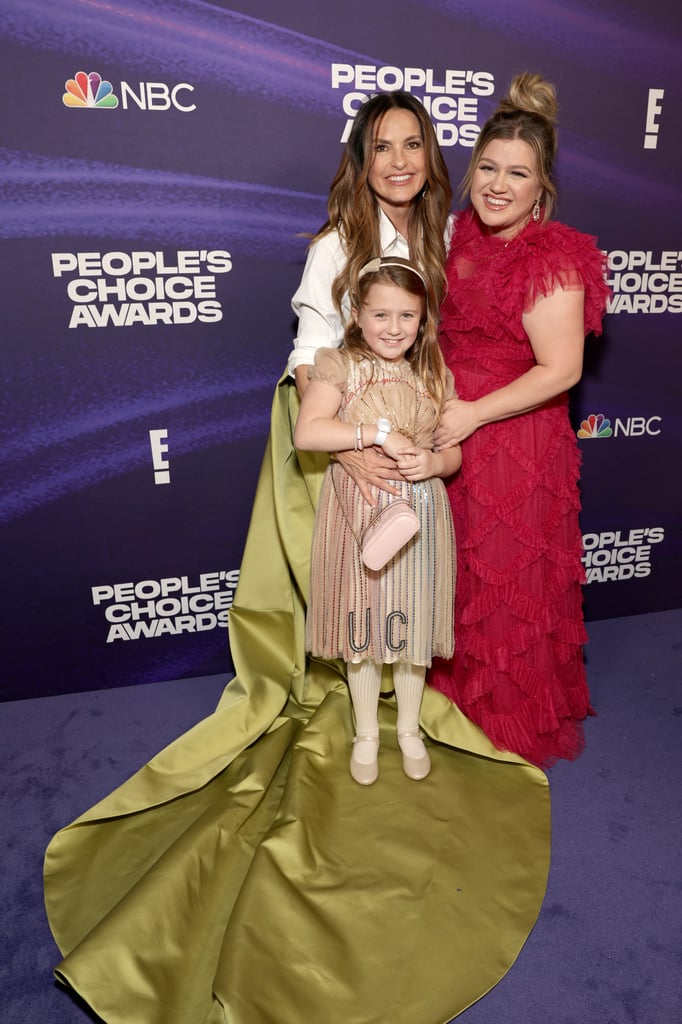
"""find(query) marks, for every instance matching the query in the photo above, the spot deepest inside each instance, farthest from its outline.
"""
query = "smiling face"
(505, 186)
(398, 170)
(389, 319)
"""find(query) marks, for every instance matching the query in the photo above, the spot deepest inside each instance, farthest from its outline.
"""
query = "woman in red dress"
(523, 292)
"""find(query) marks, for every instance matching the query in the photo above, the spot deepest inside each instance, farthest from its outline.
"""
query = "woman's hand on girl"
(458, 421)
(371, 469)
(555, 329)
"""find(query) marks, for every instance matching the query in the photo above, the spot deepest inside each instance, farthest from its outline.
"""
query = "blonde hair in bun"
(528, 112)
(531, 93)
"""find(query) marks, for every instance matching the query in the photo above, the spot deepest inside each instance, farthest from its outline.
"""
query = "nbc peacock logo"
(595, 426)
(90, 91)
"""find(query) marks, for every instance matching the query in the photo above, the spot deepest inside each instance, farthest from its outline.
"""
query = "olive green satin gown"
(242, 877)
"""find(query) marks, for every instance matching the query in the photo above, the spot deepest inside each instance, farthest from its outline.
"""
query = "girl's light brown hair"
(425, 356)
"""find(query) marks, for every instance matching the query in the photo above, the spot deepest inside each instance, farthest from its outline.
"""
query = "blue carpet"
(607, 948)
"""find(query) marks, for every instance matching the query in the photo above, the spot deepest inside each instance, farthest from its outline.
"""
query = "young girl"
(384, 387)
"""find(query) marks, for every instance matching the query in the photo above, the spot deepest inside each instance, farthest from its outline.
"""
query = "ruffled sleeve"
(557, 256)
(330, 368)
(493, 282)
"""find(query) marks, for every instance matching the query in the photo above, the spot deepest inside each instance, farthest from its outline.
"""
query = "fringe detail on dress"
(404, 611)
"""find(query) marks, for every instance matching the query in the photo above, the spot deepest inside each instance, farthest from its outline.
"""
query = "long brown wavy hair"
(353, 209)
(528, 112)
(425, 356)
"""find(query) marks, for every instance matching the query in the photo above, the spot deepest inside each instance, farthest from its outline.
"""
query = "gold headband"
(385, 261)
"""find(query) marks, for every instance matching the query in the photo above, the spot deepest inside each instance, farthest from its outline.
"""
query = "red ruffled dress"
(518, 668)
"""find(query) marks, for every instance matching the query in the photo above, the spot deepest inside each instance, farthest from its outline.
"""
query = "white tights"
(364, 682)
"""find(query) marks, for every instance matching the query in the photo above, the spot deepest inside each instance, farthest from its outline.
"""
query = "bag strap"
(340, 504)
(374, 515)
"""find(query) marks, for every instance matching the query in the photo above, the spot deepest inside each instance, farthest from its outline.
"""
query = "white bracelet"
(358, 438)
(383, 430)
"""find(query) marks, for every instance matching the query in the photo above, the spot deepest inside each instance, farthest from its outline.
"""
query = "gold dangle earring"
(537, 207)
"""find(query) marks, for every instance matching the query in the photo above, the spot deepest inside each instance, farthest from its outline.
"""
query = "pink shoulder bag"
(387, 533)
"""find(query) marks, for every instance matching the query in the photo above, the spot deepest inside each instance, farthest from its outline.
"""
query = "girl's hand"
(458, 421)
(422, 463)
(418, 463)
(371, 469)
(395, 443)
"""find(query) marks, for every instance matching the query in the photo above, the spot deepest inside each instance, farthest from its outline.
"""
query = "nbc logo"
(634, 426)
(595, 426)
(89, 90)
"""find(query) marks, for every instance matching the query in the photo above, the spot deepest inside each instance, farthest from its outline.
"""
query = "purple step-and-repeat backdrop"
(161, 164)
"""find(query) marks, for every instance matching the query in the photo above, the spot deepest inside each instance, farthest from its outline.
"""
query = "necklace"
(498, 252)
